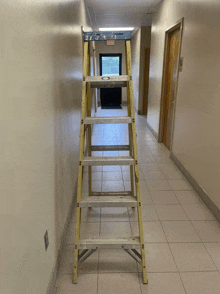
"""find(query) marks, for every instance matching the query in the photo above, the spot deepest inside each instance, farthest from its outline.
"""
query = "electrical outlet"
(46, 240)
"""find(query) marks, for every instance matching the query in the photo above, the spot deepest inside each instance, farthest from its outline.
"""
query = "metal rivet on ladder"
(76, 246)
(80, 163)
(81, 121)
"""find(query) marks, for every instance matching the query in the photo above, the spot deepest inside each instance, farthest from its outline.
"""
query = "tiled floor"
(182, 238)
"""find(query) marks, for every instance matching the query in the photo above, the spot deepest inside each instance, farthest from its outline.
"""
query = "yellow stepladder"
(108, 199)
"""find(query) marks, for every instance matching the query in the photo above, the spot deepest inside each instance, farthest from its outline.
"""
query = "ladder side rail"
(81, 152)
(89, 133)
(137, 182)
(130, 131)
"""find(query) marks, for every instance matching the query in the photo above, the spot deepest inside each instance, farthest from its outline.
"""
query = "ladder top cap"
(104, 36)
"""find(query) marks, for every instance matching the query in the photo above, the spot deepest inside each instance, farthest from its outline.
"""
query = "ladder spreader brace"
(108, 199)
(104, 36)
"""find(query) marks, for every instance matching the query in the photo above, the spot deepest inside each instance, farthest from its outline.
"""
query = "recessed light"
(115, 29)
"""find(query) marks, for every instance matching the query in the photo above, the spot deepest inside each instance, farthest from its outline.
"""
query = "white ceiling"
(121, 13)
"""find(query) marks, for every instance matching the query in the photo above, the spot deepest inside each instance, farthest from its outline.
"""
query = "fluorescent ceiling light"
(116, 29)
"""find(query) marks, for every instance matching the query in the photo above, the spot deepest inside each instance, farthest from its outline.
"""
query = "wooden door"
(170, 85)
(146, 79)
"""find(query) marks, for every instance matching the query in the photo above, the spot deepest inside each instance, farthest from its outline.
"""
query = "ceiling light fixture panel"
(116, 29)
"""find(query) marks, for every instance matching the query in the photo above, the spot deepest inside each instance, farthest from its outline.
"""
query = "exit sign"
(111, 42)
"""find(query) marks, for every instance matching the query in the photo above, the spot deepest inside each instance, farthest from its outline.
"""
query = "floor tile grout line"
(172, 254)
(139, 272)
(147, 189)
(191, 221)
(163, 172)
(98, 270)
(140, 281)
(196, 233)
(98, 255)
(202, 206)
(185, 190)
(204, 245)
(119, 272)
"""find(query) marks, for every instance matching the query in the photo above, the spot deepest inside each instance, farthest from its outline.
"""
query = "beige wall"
(119, 47)
(41, 72)
(196, 140)
(140, 40)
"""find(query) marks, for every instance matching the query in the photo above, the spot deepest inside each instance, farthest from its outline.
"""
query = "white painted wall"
(41, 73)
(197, 126)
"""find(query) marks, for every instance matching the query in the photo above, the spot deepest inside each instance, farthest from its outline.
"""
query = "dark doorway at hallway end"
(110, 65)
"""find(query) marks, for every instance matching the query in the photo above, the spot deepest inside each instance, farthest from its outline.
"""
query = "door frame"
(177, 25)
(110, 55)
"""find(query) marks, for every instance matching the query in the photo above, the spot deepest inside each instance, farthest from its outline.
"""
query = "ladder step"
(108, 120)
(108, 201)
(107, 82)
(120, 193)
(110, 147)
(110, 243)
(117, 160)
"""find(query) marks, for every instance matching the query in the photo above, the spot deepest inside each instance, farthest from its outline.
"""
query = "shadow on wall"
(67, 13)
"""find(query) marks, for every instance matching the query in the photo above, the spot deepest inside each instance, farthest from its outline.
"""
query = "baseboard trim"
(53, 279)
(140, 112)
(199, 190)
(152, 131)
(54, 275)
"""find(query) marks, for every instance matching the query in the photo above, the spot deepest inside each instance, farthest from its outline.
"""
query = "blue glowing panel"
(104, 36)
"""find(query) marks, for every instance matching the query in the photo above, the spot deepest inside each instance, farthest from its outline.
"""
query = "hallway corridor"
(182, 238)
